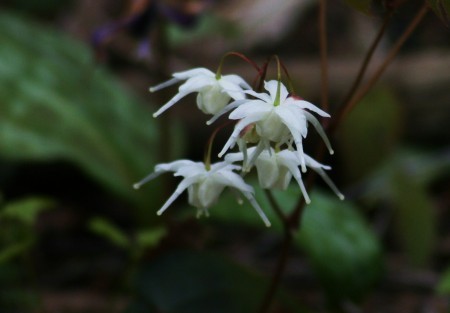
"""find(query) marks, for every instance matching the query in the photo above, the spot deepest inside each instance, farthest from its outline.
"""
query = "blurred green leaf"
(360, 5)
(416, 222)
(25, 210)
(148, 238)
(369, 134)
(403, 181)
(109, 231)
(343, 250)
(58, 104)
(195, 282)
(345, 254)
(13, 250)
(443, 288)
(441, 8)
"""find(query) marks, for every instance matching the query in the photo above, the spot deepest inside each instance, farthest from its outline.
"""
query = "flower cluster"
(269, 132)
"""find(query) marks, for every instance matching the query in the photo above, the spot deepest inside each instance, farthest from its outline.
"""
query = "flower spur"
(214, 91)
(204, 185)
(277, 117)
(276, 168)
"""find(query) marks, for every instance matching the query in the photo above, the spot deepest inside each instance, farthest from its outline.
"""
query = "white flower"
(213, 93)
(204, 186)
(277, 117)
(275, 169)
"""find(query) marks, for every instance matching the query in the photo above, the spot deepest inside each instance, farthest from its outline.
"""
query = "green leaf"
(345, 253)
(369, 134)
(109, 231)
(13, 250)
(441, 8)
(58, 104)
(443, 288)
(195, 282)
(26, 210)
(362, 6)
(343, 250)
(148, 238)
(416, 223)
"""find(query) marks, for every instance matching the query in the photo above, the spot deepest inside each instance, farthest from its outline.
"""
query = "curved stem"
(367, 59)
(323, 53)
(276, 278)
(387, 61)
(269, 296)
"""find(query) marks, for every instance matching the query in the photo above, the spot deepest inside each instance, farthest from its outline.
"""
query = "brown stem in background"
(374, 79)
(367, 59)
(323, 53)
(292, 222)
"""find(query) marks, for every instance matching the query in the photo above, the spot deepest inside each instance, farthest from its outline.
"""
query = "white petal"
(293, 168)
(226, 109)
(329, 182)
(237, 130)
(236, 80)
(195, 84)
(147, 179)
(250, 107)
(293, 119)
(165, 84)
(320, 130)
(258, 209)
(171, 102)
(262, 96)
(302, 104)
(200, 71)
(185, 183)
(272, 87)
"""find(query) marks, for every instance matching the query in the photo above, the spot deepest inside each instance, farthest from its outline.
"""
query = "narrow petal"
(171, 102)
(262, 96)
(165, 84)
(293, 168)
(193, 72)
(258, 209)
(329, 182)
(302, 104)
(237, 130)
(320, 130)
(147, 179)
(236, 80)
(226, 109)
(184, 184)
(250, 107)
(272, 87)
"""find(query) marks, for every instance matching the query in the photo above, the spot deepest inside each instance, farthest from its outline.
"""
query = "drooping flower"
(275, 169)
(204, 185)
(277, 117)
(214, 91)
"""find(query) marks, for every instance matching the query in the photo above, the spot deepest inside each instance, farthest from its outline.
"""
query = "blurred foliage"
(443, 287)
(441, 8)
(402, 182)
(143, 239)
(183, 281)
(39, 7)
(17, 221)
(331, 230)
(360, 5)
(17, 238)
(58, 104)
(209, 25)
(369, 134)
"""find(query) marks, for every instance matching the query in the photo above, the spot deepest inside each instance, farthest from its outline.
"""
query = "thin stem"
(323, 53)
(282, 258)
(367, 59)
(374, 79)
